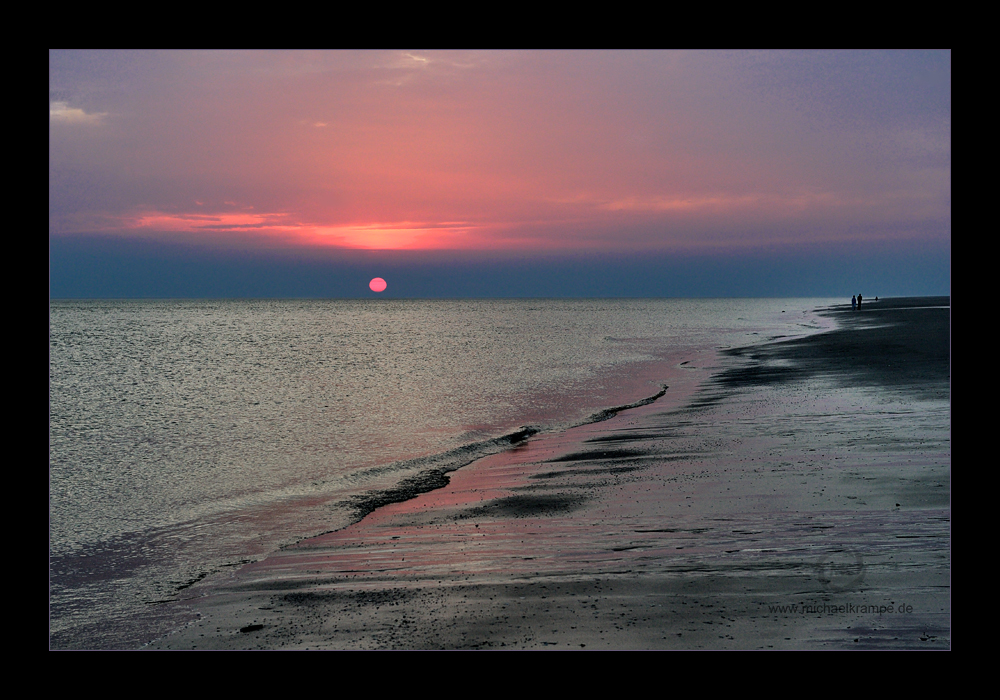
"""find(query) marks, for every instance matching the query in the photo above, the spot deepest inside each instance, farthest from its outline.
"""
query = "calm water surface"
(188, 436)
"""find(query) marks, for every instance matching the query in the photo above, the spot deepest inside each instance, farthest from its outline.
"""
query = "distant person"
(859, 301)
(854, 303)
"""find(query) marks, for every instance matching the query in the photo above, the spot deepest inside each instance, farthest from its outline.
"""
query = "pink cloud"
(490, 151)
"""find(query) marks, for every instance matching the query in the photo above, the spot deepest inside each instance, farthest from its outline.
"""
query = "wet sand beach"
(793, 495)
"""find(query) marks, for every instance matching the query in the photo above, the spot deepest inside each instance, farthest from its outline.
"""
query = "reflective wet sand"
(793, 496)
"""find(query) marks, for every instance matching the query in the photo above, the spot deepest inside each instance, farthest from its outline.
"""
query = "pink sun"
(377, 285)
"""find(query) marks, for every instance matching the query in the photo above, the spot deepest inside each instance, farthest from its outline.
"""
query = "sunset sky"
(191, 174)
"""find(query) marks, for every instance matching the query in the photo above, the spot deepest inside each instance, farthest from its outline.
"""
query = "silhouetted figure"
(854, 303)
(859, 301)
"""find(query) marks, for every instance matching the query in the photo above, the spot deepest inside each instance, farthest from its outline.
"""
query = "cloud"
(420, 60)
(526, 150)
(62, 113)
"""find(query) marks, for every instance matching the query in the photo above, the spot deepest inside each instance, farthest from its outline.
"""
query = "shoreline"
(113, 587)
(762, 510)
(439, 477)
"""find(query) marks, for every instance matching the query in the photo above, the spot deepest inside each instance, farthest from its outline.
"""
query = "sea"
(190, 437)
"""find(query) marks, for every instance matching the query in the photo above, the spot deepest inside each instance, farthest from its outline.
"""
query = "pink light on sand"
(377, 285)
